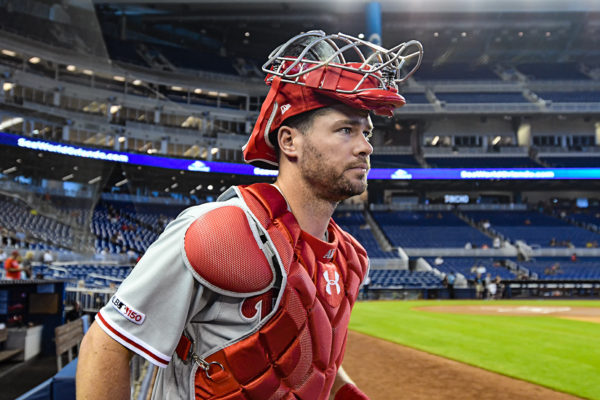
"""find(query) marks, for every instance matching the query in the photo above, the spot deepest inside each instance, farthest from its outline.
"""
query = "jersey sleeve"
(150, 309)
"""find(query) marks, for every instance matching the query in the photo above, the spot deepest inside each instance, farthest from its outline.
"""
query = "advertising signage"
(246, 169)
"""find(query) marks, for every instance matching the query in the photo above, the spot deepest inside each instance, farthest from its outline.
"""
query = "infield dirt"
(388, 371)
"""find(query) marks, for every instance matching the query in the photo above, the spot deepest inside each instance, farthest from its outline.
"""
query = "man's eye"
(346, 130)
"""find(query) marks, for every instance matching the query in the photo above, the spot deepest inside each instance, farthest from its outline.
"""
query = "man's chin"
(347, 191)
(358, 188)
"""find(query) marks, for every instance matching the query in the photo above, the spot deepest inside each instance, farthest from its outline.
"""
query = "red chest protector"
(297, 352)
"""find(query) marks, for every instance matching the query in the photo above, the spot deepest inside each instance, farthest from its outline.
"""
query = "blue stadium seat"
(561, 268)
(478, 98)
(354, 223)
(535, 228)
(552, 71)
(420, 229)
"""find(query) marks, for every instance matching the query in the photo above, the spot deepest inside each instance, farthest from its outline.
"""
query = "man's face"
(335, 152)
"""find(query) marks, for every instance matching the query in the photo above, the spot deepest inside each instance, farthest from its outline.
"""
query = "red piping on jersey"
(131, 342)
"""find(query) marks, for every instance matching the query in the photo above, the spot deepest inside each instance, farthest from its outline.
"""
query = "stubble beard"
(325, 181)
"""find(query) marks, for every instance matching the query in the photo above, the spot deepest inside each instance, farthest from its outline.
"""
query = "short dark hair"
(303, 122)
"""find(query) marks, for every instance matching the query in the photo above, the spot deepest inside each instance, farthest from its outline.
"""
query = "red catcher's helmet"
(310, 71)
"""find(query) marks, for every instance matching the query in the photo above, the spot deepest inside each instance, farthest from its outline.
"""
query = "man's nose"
(364, 147)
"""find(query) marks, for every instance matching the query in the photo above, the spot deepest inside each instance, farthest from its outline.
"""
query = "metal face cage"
(318, 50)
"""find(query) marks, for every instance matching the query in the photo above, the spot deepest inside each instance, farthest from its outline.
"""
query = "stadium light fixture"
(173, 186)
(88, 72)
(115, 109)
(71, 68)
(35, 60)
(7, 86)
(463, 34)
(137, 82)
(122, 139)
(95, 180)
(68, 177)
(9, 170)
(214, 150)
(436, 34)
(247, 34)
(210, 187)
(213, 93)
(223, 94)
(198, 187)
(361, 35)
(435, 140)
(9, 53)
(192, 191)
(119, 78)
(177, 88)
(121, 183)
(10, 122)
(198, 91)
(496, 140)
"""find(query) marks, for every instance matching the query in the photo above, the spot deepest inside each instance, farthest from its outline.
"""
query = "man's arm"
(344, 388)
(102, 367)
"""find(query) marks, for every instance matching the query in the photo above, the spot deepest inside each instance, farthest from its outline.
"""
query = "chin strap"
(350, 392)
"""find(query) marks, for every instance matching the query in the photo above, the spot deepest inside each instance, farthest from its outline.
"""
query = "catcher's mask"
(309, 71)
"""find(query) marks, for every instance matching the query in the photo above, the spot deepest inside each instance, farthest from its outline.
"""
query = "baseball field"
(539, 348)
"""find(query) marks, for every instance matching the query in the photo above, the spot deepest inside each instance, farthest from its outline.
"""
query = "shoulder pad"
(222, 248)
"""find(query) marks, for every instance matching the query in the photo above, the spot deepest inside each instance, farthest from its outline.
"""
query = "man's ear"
(287, 139)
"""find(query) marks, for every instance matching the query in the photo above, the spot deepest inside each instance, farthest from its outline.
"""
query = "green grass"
(557, 353)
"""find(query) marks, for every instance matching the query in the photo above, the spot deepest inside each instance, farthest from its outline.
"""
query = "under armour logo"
(329, 254)
(332, 282)
(285, 107)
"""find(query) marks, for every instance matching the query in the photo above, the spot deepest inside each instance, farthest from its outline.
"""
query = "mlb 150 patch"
(128, 312)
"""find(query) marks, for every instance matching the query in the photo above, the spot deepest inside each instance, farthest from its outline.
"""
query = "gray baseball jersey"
(161, 298)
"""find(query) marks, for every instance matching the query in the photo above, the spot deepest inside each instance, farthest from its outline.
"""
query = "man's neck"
(311, 212)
